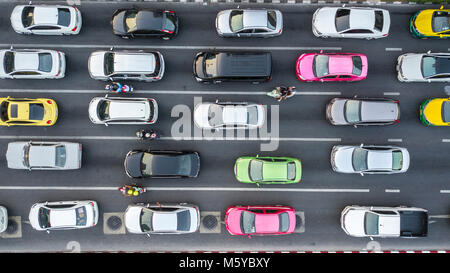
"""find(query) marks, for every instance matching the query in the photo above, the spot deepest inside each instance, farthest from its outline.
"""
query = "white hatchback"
(63, 215)
(46, 19)
(119, 110)
(32, 64)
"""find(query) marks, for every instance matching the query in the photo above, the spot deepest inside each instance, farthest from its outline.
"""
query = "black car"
(162, 164)
(130, 23)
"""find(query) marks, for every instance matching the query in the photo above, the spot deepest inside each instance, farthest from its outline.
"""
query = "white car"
(229, 115)
(342, 22)
(63, 215)
(46, 20)
(3, 219)
(32, 64)
(118, 110)
(33, 155)
(162, 218)
(126, 65)
(423, 67)
(360, 221)
(369, 159)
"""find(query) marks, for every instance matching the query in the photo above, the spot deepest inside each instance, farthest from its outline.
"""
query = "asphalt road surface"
(303, 133)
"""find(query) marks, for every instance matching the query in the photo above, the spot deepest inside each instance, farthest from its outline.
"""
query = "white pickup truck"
(400, 221)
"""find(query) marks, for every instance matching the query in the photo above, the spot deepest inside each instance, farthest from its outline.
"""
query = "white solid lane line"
(165, 92)
(395, 140)
(392, 190)
(182, 189)
(445, 191)
(391, 93)
(445, 140)
(393, 49)
(166, 47)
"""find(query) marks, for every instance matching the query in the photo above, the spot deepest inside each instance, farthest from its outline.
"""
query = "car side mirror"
(371, 238)
(48, 231)
(321, 80)
(362, 144)
(442, 7)
(249, 236)
(428, 80)
(362, 174)
(148, 235)
(354, 125)
(321, 51)
(429, 51)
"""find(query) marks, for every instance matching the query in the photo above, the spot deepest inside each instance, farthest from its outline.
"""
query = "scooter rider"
(143, 135)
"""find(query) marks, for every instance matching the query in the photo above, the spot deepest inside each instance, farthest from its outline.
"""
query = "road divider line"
(312, 139)
(395, 140)
(392, 190)
(166, 92)
(391, 93)
(445, 191)
(166, 47)
(185, 189)
(445, 140)
(393, 49)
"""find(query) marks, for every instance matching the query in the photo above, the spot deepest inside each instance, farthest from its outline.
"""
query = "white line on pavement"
(392, 190)
(391, 93)
(445, 140)
(166, 47)
(175, 138)
(395, 140)
(181, 189)
(445, 191)
(164, 92)
(393, 49)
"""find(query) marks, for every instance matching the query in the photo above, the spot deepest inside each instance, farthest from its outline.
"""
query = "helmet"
(130, 191)
(136, 193)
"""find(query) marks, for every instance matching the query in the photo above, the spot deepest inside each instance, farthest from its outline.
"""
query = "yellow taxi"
(34, 112)
(435, 112)
(431, 23)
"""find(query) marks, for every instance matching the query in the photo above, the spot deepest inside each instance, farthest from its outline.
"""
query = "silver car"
(369, 159)
(126, 65)
(63, 215)
(3, 219)
(119, 110)
(32, 64)
(424, 67)
(44, 155)
(162, 218)
(249, 23)
(364, 111)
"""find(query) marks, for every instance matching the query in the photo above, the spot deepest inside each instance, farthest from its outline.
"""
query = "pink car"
(331, 67)
(260, 220)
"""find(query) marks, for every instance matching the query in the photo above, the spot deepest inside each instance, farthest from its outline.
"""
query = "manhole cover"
(210, 221)
(298, 221)
(12, 227)
(114, 222)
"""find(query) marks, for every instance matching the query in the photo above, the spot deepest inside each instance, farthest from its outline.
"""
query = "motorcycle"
(116, 87)
(150, 135)
(277, 93)
(134, 190)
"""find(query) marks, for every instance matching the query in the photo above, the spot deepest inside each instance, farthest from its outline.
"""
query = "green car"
(268, 170)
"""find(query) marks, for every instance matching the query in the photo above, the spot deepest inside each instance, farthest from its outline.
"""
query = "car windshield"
(183, 220)
(236, 20)
(146, 219)
(342, 19)
(60, 158)
(271, 19)
(397, 160)
(252, 115)
(146, 163)
(27, 16)
(441, 21)
(256, 170)
(45, 62)
(247, 222)
(357, 65)
(215, 115)
(8, 62)
(428, 66)
(359, 159)
(170, 22)
(109, 63)
(320, 65)
(81, 216)
(445, 111)
(379, 20)
(371, 223)
(291, 171)
(211, 65)
(130, 20)
(103, 110)
(284, 222)
(352, 111)
(36, 111)
(44, 218)
(64, 17)
(4, 111)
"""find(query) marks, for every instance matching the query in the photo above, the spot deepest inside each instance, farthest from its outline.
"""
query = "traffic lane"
(322, 222)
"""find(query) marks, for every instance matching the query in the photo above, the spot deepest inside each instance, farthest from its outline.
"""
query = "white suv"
(126, 65)
(32, 64)
(119, 110)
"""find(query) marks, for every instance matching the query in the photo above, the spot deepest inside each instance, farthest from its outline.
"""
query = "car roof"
(274, 170)
(378, 110)
(234, 114)
(149, 20)
(340, 64)
(45, 15)
(443, 65)
(62, 217)
(255, 64)
(134, 62)
(362, 19)
(164, 221)
(26, 61)
(254, 18)
(379, 160)
(42, 156)
(165, 164)
(128, 109)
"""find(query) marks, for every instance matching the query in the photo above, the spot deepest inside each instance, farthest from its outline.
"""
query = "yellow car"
(37, 112)
(431, 23)
(435, 112)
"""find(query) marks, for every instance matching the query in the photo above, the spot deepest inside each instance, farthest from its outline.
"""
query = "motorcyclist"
(143, 135)
(128, 190)
(285, 93)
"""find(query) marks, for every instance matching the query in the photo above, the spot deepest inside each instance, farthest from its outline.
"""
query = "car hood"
(336, 111)
(433, 111)
(16, 18)
(223, 22)
(15, 155)
(133, 164)
(305, 66)
(132, 219)
(33, 217)
(354, 222)
(96, 65)
(343, 159)
(411, 66)
(325, 20)
(233, 221)
(93, 115)
(241, 169)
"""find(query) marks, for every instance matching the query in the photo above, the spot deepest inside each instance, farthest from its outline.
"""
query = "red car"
(331, 67)
(260, 220)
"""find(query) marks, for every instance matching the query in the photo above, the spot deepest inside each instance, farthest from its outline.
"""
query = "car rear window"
(357, 65)
(109, 63)
(64, 17)
(45, 62)
(183, 220)
(342, 19)
(446, 111)
(44, 218)
(236, 20)
(371, 223)
(271, 19)
(36, 111)
(252, 115)
(81, 217)
(441, 21)
(4, 111)
(27, 16)
(60, 158)
(215, 115)
(284, 222)
(255, 171)
(170, 22)
(291, 171)
(397, 160)
(8, 62)
(352, 111)
(157, 67)
(379, 20)
(359, 159)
